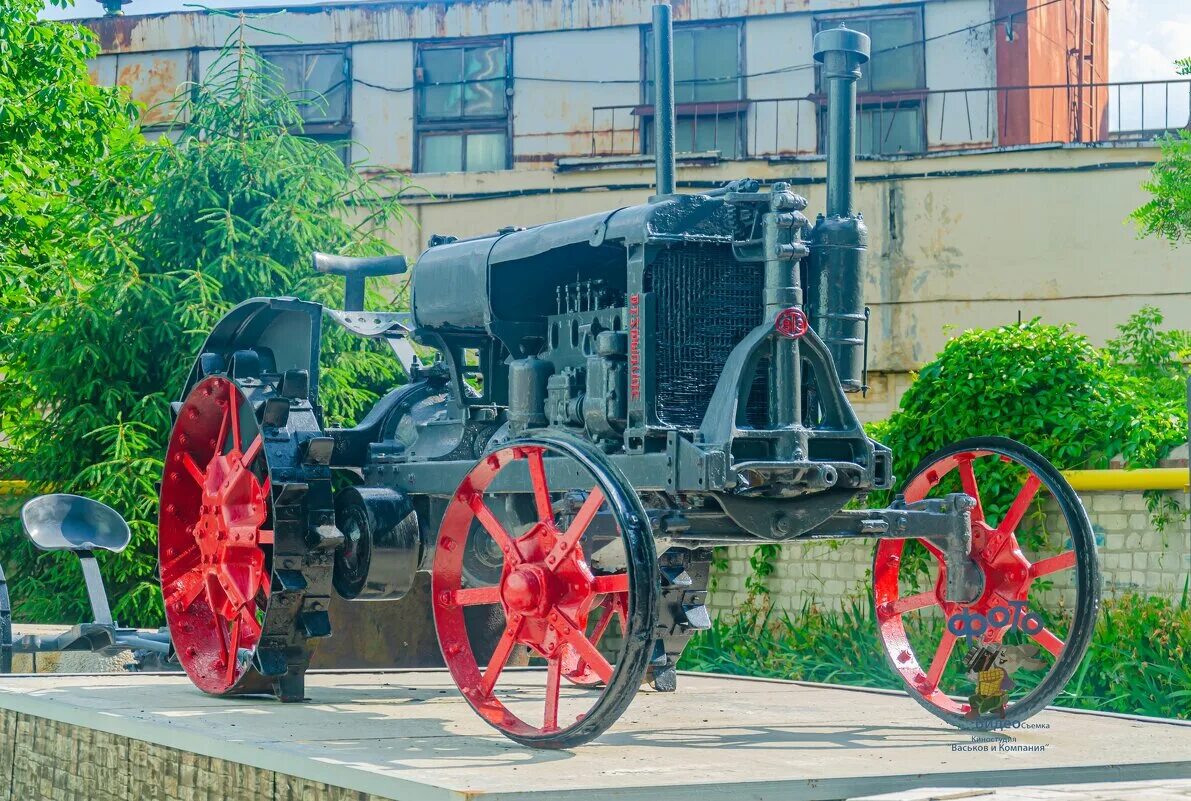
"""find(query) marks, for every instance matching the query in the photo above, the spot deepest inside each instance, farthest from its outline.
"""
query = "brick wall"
(1134, 556)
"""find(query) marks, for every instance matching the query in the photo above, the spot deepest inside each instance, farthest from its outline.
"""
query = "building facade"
(999, 164)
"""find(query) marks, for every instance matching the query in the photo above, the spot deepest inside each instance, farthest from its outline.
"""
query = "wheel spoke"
(583, 518)
(494, 528)
(611, 584)
(233, 409)
(475, 596)
(500, 658)
(939, 662)
(233, 651)
(912, 602)
(194, 470)
(248, 620)
(264, 537)
(1053, 564)
(609, 606)
(1047, 639)
(190, 583)
(222, 430)
(1020, 504)
(168, 569)
(967, 477)
(553, 677)
(541, 490)
(253, 451)
(585, 648)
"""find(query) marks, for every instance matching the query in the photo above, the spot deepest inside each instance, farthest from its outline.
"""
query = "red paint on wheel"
(212, 536)
(546, 590)
(1008, 575)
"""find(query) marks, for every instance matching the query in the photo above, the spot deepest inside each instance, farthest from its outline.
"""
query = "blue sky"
(1146, 36)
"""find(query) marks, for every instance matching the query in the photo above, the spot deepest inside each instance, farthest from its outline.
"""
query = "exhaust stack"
(663, 96)
(839, 243)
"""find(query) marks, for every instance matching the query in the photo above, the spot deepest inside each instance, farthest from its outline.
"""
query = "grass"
(1139, 661)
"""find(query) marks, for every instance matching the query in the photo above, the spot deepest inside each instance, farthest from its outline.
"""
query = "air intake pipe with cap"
(839, 242)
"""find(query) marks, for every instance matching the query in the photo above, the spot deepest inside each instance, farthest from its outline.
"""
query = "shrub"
(1050, 388)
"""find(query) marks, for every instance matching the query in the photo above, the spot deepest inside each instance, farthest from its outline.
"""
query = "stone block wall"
(1134, 557)
(46, 759)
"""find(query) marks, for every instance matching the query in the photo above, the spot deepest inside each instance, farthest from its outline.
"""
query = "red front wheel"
(1012, 651)
(545, 532)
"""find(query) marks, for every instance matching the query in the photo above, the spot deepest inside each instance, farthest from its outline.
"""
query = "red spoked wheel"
(564, 536)
(1006, 655)
(215, 539)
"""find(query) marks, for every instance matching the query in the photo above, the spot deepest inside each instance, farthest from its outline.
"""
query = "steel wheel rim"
(214, 542)
(1008, 573)
(554, 623)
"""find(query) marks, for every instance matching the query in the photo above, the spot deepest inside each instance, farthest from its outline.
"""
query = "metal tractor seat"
(355, 270)
(74, 523)
(63, 522)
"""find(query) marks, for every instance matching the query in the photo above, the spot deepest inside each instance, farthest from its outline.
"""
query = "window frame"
(330, 127)
(464, 126)
(911, 99)
(711, 109)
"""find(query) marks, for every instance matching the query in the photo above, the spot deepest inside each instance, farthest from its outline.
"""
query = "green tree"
(55, 126)
(230, 211)
(1168, 213)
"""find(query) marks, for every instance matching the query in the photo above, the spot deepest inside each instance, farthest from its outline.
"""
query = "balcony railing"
(908, 122)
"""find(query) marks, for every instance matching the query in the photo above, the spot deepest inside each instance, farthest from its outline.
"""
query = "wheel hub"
(525, 591)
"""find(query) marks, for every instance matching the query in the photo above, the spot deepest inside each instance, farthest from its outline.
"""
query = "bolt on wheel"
(569, 550)
(1007, 654)
(215, 539)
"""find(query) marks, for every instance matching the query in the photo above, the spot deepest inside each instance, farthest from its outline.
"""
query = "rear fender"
(290, 328)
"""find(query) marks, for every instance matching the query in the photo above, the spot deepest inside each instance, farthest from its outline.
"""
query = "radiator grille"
(706, 302)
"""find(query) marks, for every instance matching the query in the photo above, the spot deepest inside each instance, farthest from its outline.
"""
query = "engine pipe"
(663, 93)
(835, 278)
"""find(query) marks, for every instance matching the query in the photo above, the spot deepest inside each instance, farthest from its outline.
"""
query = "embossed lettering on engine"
(635, 346)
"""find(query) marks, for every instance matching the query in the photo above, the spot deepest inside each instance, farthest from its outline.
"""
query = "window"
(891, 95)
(319, 81)
(708, 90)
(462, 107)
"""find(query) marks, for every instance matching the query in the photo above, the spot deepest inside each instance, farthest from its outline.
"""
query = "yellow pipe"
(14, 488)
(1146, 478)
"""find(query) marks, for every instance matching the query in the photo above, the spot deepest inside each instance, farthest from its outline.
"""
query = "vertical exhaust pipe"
(839, 243)
(663, 96)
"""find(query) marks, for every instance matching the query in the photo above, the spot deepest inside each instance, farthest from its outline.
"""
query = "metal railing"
(912, 121)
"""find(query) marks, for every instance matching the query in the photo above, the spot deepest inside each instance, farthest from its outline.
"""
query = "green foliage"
(762, 564)
(1137, 663)
(1168, 213)
(54, 126)
(1050, 388)
(231, 211)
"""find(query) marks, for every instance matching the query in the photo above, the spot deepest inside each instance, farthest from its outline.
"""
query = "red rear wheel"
(215, 539)
(563, 563)
(1032, 623)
